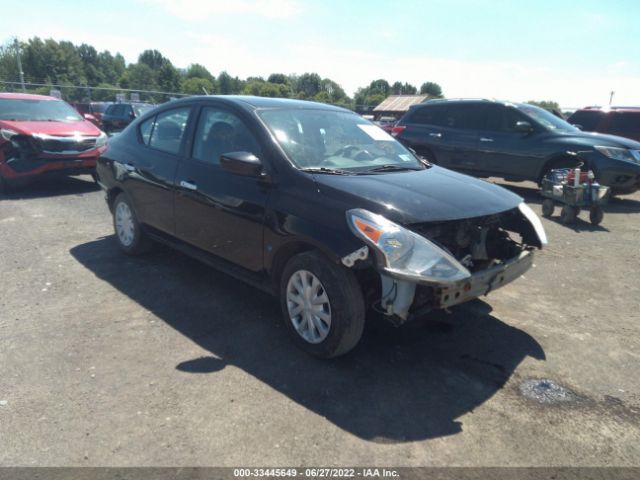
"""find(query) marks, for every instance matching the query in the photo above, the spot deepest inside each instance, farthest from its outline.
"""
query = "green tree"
(195, 86)
(308, 85)
(225, 84)
(278, 78)
(168, 78)
(546, 104)
(399, 88)
(153, 59)
(432, 89)
(195, 70)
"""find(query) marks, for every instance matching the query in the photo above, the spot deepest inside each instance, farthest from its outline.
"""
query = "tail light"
(397, 130)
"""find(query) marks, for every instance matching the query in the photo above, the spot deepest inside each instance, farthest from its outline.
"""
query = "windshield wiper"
(392, 168)
(329, 171)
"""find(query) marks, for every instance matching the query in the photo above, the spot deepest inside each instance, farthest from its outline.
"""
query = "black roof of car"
(444, 101)
(253, 103)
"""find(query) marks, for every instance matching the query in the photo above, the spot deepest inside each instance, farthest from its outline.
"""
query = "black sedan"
(317, 206)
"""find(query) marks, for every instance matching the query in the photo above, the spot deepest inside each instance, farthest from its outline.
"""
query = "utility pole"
(17, 44)
(611, 97)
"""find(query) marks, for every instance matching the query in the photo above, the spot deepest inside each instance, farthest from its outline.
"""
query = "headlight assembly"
(102, 139)
(534, 220)
(7, 134)
(405, 253)
(617, 153)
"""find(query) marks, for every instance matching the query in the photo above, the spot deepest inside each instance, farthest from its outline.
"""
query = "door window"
(220, 131)
(168, 131)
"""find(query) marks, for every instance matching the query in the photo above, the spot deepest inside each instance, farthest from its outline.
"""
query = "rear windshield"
(587, 119)
(626, 122)
(99, 107)
(37, 110)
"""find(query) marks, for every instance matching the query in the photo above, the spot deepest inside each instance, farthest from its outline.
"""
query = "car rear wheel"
(129, 235)
(322, 304)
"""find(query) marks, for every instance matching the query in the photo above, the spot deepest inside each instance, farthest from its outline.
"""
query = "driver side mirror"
(578, 126)
(523, 127)
(241, 163)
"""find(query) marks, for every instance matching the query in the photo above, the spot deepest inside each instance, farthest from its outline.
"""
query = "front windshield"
(37, 110)
(547, 119)
(330, 140)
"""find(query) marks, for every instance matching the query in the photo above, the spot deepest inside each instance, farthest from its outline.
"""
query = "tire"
(129, 235)
(567, 214)
(339, 323)
(596, 214)
(548, 206)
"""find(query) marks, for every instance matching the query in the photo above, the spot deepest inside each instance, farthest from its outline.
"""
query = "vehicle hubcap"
(124, 224)
(308, 306)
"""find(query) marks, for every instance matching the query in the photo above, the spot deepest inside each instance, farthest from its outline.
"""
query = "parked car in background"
(621, 121)
(43, 135)
(515, 141)
(317, 206)
(119, 115)
(92, 111)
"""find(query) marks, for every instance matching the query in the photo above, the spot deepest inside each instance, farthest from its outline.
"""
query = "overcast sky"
(574, 52)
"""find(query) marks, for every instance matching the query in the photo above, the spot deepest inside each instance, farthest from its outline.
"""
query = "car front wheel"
(129, 235)
(323, 305)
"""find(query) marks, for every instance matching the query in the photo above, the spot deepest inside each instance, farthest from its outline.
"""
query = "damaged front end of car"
(25, 153)
(435, 265)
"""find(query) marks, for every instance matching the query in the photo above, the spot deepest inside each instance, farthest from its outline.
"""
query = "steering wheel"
(349, 150)
(346, 151)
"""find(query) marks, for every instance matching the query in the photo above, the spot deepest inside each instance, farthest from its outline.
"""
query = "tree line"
(84, 73)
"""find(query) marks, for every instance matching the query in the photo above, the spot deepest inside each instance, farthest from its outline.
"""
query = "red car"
(42, 135)
(620, 121)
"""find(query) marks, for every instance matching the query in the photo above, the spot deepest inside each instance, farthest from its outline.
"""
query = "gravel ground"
(159, 360)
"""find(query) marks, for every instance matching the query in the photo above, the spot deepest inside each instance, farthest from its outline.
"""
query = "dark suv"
(515, 141)
(119, 115)
(622, 121)
(316, 205)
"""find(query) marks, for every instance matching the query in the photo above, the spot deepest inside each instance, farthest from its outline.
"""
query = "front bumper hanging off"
(398, 294)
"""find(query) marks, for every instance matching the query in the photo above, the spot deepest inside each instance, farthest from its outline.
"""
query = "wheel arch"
(556, 159)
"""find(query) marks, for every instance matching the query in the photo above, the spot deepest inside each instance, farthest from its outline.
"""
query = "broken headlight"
(405, 253)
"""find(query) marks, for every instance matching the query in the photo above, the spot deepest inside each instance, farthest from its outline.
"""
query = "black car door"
(151, 170)
(217, 211)
(505, 151)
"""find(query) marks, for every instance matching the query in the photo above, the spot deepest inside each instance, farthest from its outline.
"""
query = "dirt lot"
(108, 360)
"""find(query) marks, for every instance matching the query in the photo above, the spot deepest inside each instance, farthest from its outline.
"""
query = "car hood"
(434, 194)
(60, 129)
(594, 138)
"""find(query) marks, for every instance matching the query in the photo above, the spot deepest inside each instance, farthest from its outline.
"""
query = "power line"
(114, 89)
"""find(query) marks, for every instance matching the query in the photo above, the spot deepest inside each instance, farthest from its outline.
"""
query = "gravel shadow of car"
(52, 186)
(398, 385)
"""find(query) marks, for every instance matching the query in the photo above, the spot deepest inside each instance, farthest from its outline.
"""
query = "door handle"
(188, 185)
(486, 139)
(437, 135)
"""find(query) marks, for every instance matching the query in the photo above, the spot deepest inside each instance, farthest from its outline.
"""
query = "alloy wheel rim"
(124, 224)
(308, 306)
